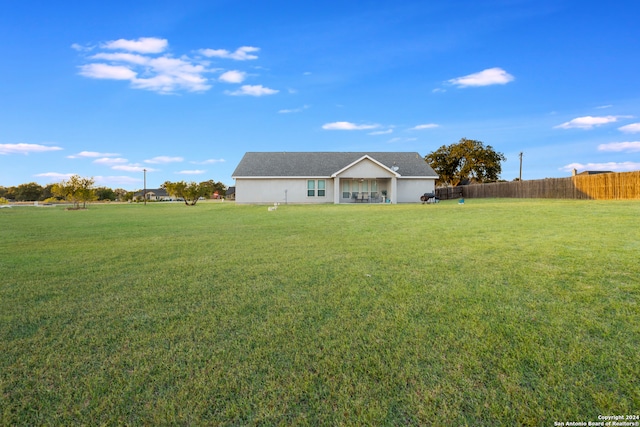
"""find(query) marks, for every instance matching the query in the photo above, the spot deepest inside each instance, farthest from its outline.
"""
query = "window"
(311, 188)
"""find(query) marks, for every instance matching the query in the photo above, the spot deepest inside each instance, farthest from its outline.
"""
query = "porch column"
(336, 190)
(394, 190)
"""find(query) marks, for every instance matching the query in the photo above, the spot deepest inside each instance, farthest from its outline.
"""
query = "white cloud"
(602, 107)
(164, 159)
(632, 128)
(630, 147)
(253, 90)
(80, 48)
(162, 74)
(381, 132)
(348, 126)
(394, 140)
(22, 148)
(55, 175)
(137, 61)
(241, 54)
(293, 110)
(90, 154)
(131, 58)
(192, 172)
(141, 45)
(587, 122)
(209, 162)
(171, 74)
(166, 74)
(109, 161)
(133, 168)
(490, 76)
(233, 76)
(106, 71)
(425, 126)
(609, 166)
(438, 90)
(167, 84)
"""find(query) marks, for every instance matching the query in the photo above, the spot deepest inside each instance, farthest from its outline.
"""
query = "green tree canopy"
(190, 191)
(47, 192)
(28, 192)
(215, 186)
(467, 159)
(123, 195)
(8, 192)
(105, 193)
(76, 190)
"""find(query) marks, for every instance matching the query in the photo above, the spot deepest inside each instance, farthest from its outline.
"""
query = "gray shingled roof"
(302, 164)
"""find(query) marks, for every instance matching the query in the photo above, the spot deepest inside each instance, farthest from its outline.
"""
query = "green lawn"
(495, 312)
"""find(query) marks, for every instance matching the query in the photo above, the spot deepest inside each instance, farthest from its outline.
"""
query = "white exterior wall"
(270, 190)
(410, 190)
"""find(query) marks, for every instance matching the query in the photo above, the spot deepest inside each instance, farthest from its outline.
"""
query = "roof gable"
(363, 159)
(328, 164)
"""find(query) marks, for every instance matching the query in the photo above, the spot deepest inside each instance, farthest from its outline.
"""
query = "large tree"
(466, 160)
(123, 195)
(105, 193)
(28, 192)
(47, 192)
(218, 187)
(76, 190)
(190, 192)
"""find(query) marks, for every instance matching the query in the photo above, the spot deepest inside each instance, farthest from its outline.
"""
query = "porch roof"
(317, 164)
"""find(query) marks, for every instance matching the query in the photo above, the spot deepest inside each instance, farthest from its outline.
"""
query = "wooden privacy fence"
(604, 186)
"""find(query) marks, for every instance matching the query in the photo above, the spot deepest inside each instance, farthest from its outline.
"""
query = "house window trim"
(314, 190)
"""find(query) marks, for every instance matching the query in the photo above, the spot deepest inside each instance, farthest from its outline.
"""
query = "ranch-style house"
(333, 177)
(155, 194)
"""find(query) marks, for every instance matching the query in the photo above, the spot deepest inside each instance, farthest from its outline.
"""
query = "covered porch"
(365, 190)
(365, 181)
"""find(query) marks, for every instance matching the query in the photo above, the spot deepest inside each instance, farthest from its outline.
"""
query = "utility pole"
(521, 166)
(144, 193)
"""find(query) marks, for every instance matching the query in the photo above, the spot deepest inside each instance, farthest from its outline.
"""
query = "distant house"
(156, 194)
(333, 177)
(230, 194)
(575, 172)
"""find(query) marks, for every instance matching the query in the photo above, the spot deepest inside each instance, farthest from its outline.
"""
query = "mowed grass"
(495, 312)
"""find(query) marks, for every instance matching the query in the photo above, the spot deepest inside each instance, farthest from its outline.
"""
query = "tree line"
(191, 192)
(32, 192)
(79, 190)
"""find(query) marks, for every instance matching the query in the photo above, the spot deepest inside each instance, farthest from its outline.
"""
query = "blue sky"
(184, 89)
